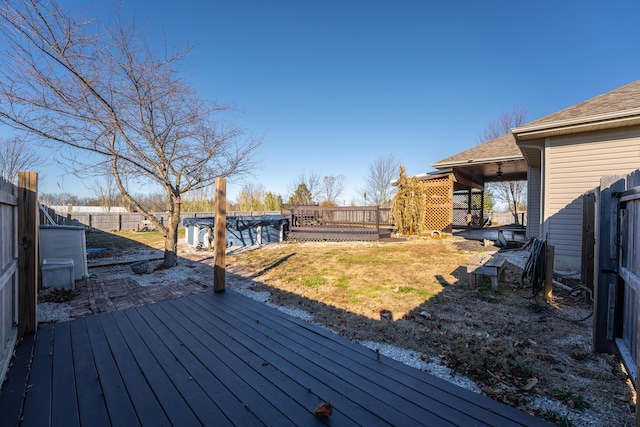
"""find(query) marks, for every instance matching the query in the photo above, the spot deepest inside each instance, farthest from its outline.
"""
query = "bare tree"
(16, 155)
(312, 187)
(378, 186)
(251, 197)
(332, 187)
(513, 193)
(201, 200)
(503, 124)
(102, 90)
(106, 191)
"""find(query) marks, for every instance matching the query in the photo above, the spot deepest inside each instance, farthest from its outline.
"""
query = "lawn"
(363, 278)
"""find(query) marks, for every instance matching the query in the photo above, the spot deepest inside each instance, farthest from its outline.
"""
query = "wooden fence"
(18, 263)
(128, 221)
(8, 272)
(617, 288)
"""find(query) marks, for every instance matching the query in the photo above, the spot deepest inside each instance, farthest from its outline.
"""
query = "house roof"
(502, 146)
(617, 108)
(612, 109)
(482, 161)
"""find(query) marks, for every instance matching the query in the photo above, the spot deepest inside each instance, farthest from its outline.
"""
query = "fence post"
(604, 286)
(28, 252)
(220, 240)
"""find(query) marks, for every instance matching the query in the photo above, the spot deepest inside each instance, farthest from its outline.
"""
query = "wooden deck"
(337, 234)
(218, 360)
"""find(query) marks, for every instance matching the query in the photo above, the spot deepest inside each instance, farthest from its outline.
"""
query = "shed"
(65, 242)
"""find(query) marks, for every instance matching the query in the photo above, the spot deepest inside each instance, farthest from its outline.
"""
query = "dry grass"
(125, 240)
(363, 278)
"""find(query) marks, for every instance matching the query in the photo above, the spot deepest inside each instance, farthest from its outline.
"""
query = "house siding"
(575, 165)
(534, 211)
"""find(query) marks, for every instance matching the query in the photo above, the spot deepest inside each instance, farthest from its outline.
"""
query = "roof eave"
(583, 124)
(444, 165)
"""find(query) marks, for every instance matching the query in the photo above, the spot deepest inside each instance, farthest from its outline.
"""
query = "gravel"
(433, 367)
(53, 312)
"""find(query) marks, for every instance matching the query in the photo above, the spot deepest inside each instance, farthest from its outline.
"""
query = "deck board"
(166, 376)
(64, 411)
(336, 362)
(37, 409)
(14, 386)
(145, 404)
(92, 408)
(225, 359)
(310, 356)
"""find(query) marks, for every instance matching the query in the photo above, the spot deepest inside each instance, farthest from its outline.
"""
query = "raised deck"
(223, 359)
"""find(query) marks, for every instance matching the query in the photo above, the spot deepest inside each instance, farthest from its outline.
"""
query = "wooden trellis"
(438, 194)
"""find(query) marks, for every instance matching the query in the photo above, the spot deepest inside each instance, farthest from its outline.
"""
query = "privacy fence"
(133, 221)
(8, 272)
(18, 262)
(617, 275)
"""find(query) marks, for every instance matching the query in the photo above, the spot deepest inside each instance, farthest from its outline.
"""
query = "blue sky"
(331, 85)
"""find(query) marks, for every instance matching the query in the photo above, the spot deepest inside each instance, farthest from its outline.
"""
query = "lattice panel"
(438, 204)
(461, 208)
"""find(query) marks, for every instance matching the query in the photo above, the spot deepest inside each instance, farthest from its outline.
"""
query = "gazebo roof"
(484, 161)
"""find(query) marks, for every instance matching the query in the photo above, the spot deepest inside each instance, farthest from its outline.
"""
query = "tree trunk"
(171, 239)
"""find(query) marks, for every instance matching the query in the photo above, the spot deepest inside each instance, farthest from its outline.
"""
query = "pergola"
(455, 192)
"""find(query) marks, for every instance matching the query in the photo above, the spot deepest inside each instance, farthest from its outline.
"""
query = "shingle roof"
(616, 101)
(500, 147)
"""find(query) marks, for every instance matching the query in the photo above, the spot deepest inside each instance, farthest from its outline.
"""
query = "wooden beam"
(28, 219)
(220, 239)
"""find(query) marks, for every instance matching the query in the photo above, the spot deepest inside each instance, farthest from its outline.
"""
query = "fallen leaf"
(323, 410)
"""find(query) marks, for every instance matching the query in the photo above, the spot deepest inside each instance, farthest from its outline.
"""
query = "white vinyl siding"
(575, 165)
(533, 202)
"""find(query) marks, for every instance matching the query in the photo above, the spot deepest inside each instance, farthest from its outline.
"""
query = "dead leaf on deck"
(323, 410)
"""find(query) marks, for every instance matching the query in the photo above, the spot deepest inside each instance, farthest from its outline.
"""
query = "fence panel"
(629, 272)
(8, 273)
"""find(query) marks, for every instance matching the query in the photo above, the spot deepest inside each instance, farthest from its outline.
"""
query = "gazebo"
(455, 192)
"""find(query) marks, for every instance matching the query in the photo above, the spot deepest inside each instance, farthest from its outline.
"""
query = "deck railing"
(339, 217)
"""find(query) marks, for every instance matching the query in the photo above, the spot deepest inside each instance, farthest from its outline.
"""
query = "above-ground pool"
(241, 230)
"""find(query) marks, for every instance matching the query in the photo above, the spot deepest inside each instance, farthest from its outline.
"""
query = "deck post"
(220, 239)
(28, 227)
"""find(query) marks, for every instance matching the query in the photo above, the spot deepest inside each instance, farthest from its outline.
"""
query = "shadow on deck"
(223, 359)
